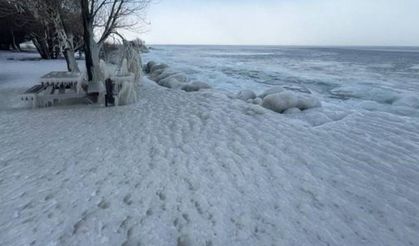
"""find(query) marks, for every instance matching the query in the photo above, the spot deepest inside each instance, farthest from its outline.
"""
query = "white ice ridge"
(166, 77)
(277, 99)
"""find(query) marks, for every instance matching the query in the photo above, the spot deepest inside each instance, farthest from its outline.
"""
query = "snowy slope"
(200, 168)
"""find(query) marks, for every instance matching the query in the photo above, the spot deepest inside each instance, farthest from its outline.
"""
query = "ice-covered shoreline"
(203, 168)
(279, 99)
(364, 78)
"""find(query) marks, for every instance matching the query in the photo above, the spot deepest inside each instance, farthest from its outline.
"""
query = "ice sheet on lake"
(364, 73)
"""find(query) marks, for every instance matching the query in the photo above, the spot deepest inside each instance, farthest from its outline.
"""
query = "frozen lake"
(373, 78)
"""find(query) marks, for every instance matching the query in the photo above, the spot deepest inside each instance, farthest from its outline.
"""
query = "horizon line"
(289, 45)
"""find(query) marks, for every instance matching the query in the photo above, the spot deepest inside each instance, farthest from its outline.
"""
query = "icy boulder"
(167, 77)
(157, 67)
(257, 101)
(280, 102)
(178, 76)
(195, 86)
(160, 74)
(270, 91)
(292, 111)
(154, 75)
(171, 83)
(246, 95)
(149, 65)
(166, 74)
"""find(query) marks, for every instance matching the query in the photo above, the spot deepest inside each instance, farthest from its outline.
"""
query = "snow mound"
(280, 102)
(166, 77)
(292, 111)
(245, 95)
(178, 76)
(171, 83)
(195, 86)
(162, 73)
(257, 101)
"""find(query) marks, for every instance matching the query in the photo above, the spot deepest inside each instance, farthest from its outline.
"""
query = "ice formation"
(272, 90)
(166, 77)
(245, 95)
(279, 102)
(195, 86)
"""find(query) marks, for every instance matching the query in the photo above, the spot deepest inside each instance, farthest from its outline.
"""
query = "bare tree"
(14, 26)
(48, 30)
(103, 18)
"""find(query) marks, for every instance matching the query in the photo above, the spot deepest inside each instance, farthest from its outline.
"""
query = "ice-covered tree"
(14, 26)
(101, 20)
(45, 21)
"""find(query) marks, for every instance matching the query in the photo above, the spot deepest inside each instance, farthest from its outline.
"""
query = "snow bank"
(280, 102)
(166, 77)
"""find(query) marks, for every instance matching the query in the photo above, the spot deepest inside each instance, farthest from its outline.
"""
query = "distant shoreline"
(367, 48)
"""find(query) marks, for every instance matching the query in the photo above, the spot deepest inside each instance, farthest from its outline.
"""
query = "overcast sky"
(284, 22)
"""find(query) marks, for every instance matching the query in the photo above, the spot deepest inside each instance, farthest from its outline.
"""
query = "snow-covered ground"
(201, 168)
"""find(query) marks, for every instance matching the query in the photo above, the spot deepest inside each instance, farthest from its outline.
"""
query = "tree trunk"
(70, 58)
(15, 46)
(42, 47)
(63, 43)
(91, 49)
